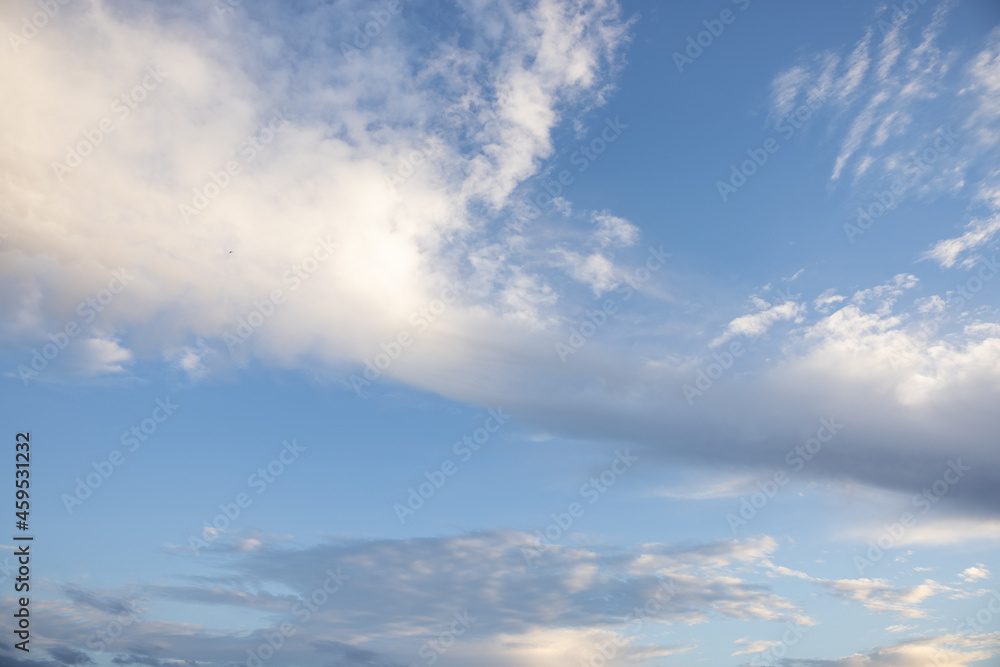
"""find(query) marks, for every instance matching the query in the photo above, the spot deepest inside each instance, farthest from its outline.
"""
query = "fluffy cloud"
(971, 574)
(957, 650)
(335, 211)
(393, 174)
(231, 168)
(557, 606)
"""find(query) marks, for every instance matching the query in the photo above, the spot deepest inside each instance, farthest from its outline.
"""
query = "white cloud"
(855, 68)
(757, 324)
(102, 356)
(984, 86)
(971, 574)
(982, 330)
(951, 650)
(825, 301)
(953, 530)
(753, 646)
(323, 175)
(594, 269)
(890, 290)
(879, 100)
(900, 628)
(711, 488)
(785, 89)
(879, 596)
(980, 233)
(615, 231)
(563, 647)
(931, 530)
(859, 128)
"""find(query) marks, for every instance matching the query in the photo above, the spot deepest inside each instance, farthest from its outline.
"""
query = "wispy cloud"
(980, 233)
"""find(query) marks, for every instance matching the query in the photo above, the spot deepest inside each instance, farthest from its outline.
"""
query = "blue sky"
(523, 333)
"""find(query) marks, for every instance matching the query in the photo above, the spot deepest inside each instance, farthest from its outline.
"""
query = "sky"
(508, 333)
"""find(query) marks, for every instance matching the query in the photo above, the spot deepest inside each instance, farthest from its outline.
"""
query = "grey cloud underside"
(398, 593)
(70, 657)
(15, 661)
(755, 421)
(419, 582)
(107, 605)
